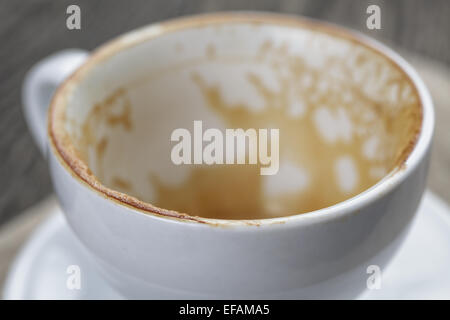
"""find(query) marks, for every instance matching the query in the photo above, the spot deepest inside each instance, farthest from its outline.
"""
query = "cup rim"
(62, 147)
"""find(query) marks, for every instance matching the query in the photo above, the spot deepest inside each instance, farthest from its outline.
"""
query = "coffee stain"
(100, 149)
(114, 112)
(121, 184)
(265, 48)
(236, 192)
(214, 192)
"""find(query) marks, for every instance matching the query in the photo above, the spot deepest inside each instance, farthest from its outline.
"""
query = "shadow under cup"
(346, 117)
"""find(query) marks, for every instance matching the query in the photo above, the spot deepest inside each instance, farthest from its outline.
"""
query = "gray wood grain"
(31, 30)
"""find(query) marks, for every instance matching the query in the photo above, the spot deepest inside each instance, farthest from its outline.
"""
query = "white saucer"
(420, 270)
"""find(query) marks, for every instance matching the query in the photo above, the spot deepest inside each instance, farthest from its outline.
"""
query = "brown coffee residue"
(215, 192)
(121, 184)
(113, 112)
(390, 112)
(236, 192)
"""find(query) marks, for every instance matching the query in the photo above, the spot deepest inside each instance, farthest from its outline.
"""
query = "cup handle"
(39, 85)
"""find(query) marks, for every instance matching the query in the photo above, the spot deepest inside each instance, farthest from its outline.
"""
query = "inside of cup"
(346, 116)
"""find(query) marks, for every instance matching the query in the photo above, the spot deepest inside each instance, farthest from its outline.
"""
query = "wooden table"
(31, 30)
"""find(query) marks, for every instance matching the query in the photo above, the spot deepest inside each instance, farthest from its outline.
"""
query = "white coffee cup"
(149, 252)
